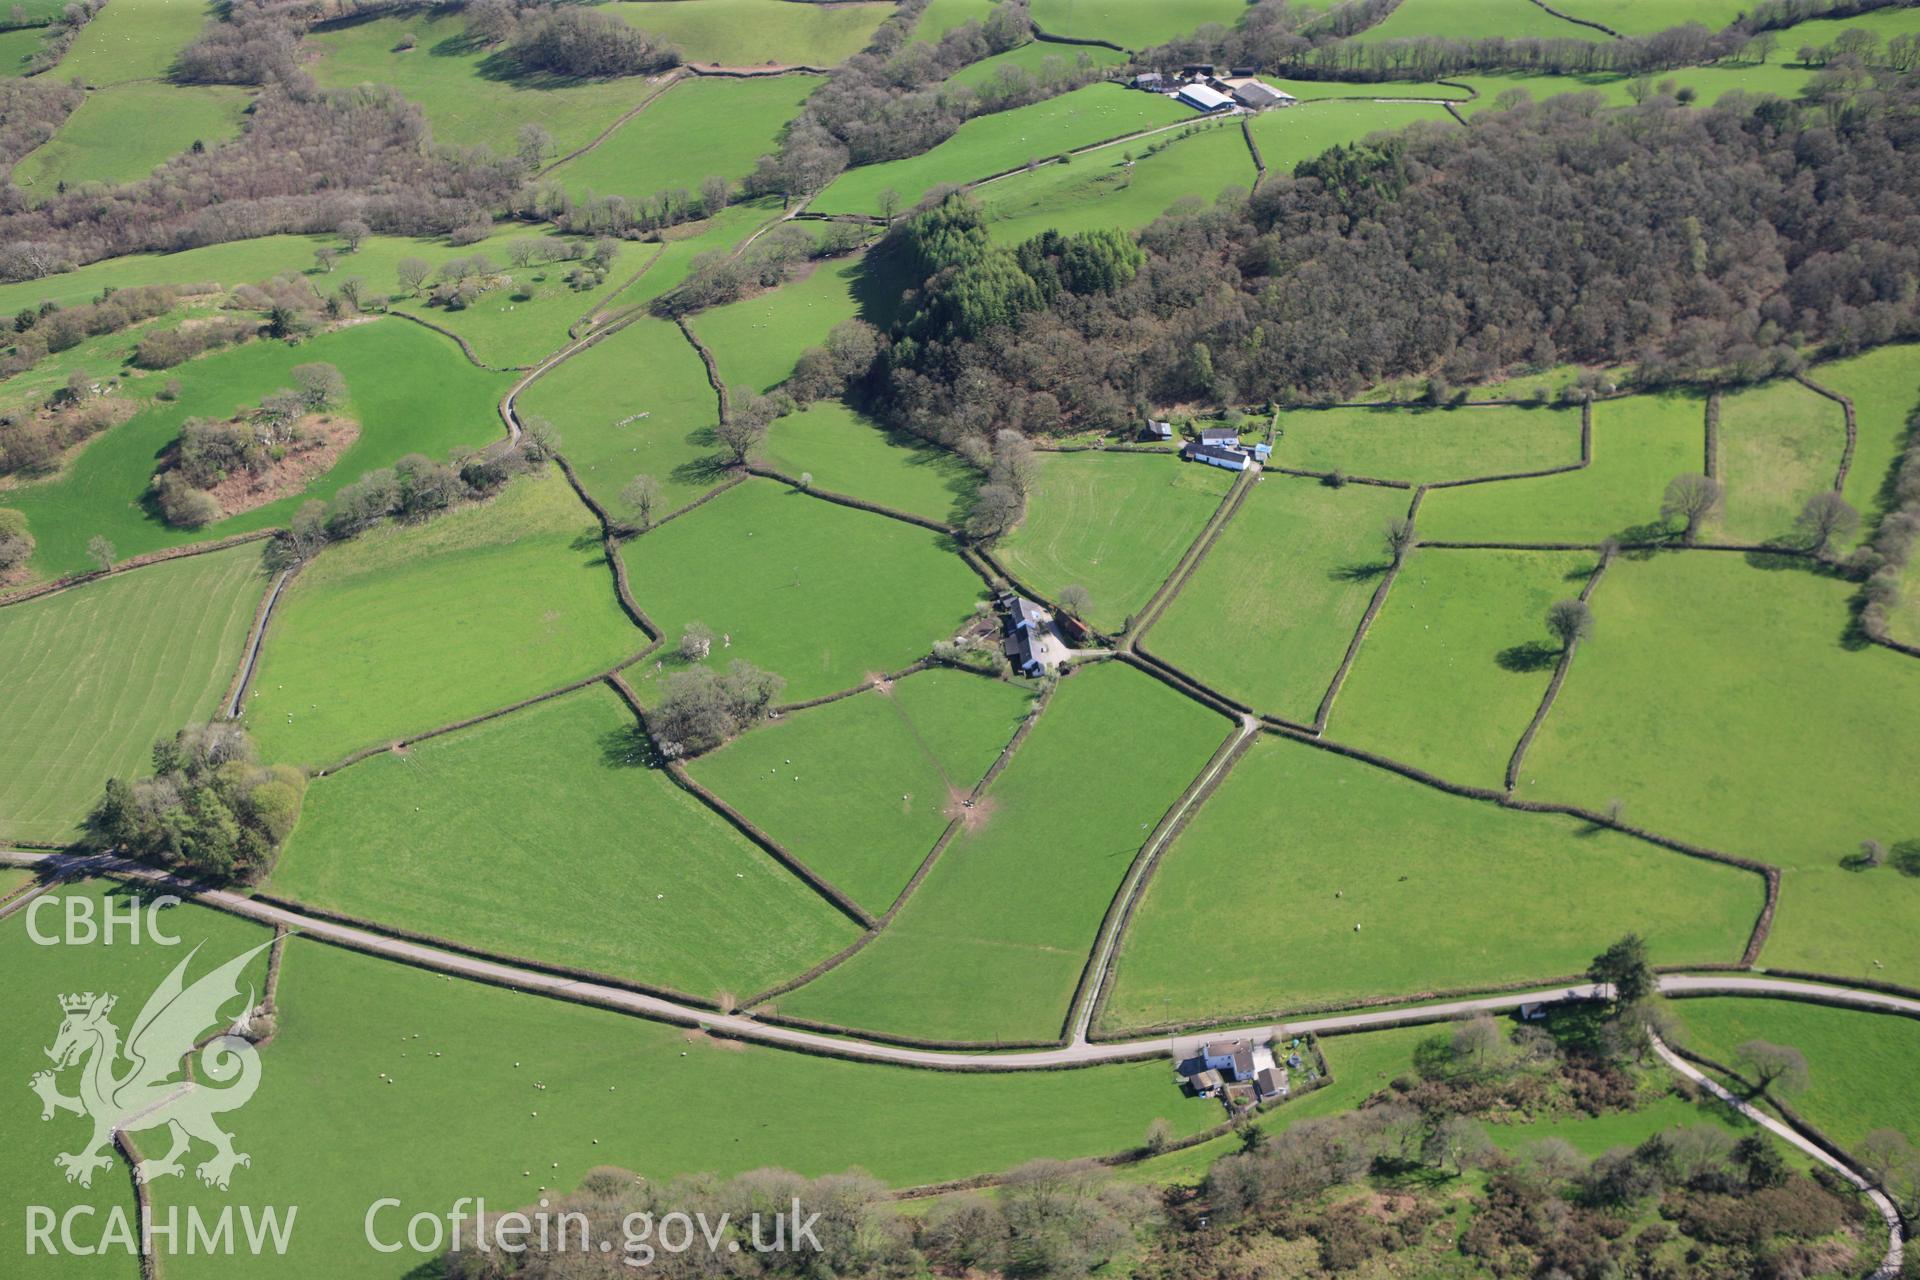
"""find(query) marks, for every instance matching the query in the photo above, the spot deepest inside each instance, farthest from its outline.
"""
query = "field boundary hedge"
(1133, 886)
(677, 770)
(920, 873)
(848, 500)
(44, 589)
(1560, 670)
(1853, 426)
(1366, 622)
(864, 686)
(610, 542)
(466, 348)
(423, 938)
(1259, 161)
(1713, 435)
(1586, 460)
(1047, 37)
(1601, 27)
(1414, 1016)
(712, 367)
(1190, 559)
(256, 636)
(413, 739)
(1327, 476)
(1176, 680)
(670, 79)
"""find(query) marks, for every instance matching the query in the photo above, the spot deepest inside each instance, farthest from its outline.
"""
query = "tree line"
(1713, 245)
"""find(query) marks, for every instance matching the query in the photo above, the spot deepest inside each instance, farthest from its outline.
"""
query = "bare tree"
(412, 273)
(996, 509)
(1477, 1042)
(696, 642)
(1570, 621)
(352, 232)
(1399, 537)
(1690, 498)
(1825, 517)
(533, 144)
(101, 552)
(1074, 599)
(714, 191)
(1775, 1068)
(1872, 853)
(640, 495)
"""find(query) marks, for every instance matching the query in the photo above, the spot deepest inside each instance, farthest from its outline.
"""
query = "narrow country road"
(1896, 1248)
(1077, 1054)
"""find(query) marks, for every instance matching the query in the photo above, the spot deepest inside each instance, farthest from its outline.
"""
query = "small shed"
(1201, 98)
(1156, 430)
(1533, 1011)
(1270, 1083)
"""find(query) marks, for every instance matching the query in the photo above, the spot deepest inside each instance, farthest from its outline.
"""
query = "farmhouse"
(1239, 1072)
(1030, 641)
(1219, 435)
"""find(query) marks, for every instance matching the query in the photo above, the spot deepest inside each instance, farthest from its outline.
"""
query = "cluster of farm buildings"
(1213, 446)
(1200, 86)
(1240, 1073)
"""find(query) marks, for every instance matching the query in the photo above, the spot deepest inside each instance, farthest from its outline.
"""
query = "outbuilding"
(1215, 455)
(1201, 98)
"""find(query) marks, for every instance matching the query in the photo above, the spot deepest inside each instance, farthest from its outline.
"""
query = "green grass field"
(469, 101)
(860, 789)
(1303, 132)
(615, 425)
(697, 130)
(1456, 662)
(103, 358)
(16, 46)
(741, 33)
(846, 453)
(249, 262)
(824, 595)
(941, 16)
(1270, 611)
(1639, 444)
(138, 42)
(37, 976)
(1643, 17)
(1884, 385)
(409, 627)
(618, 1091)
(586, 856)
(1779, 445)
(1885, 23)
(1037, 59)
(1710, 84)
(1347, 881)
(1425, 445)
(1098, 190)
(96, 673)
(1857, 1062)
(442, 402)
(1722, 704)
(758, 340)
(1312, 90)
(1004, 140)
(1114, 523)
(13, 879)
(1473, 19)
(1133, 24)
(122, 133)
(991, 944)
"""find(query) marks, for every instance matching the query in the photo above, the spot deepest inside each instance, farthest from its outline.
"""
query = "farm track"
(58, 866)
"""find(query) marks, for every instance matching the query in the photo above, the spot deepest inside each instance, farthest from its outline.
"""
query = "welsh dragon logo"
(133, 1087)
